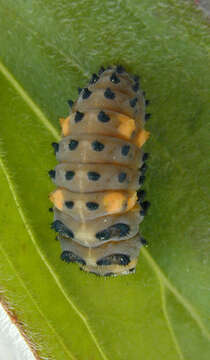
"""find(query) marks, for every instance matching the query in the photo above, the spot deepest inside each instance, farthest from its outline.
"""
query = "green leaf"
(48, 49)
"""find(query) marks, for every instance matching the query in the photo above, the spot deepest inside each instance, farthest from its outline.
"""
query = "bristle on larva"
(97, 204)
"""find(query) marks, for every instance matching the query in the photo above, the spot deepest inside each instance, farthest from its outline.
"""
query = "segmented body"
(101, 165)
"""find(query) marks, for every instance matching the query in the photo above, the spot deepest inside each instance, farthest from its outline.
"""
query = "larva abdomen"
(96, 209)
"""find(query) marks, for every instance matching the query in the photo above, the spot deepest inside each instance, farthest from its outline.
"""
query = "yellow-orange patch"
(127, 126)
(57, 198)
(114, 202)
(141, 137)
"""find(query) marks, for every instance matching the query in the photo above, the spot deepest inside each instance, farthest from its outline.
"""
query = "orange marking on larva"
(141, 137)
(131, 201)
(114, 202)
(127, 126)
(57, 198)
(65, 126)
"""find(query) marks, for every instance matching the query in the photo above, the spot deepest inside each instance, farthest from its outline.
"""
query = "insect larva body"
(101, 167)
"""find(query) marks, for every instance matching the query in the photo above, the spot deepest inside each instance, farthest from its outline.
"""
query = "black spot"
(143, 169)
(73, 144)
(114, 259)
(92, 205)
(97, 146)
(103, 117)
(109, 274)
(94, 79)
(133, 102)
(145, 156)
(79, 90)
(120, 69)
(132, 270)
(69, 204)
(136, 78)
(147, 116)
(141, 179)
(114, 79)
(147, 102)
(69, 175)
(103, 235)
(121, 177)
(86, 93)
(62, 229)
(140, 195)
(50, 209)
(55, 146)
(120, 229)
(125, 150)
(71, 103)
(145, 205)
(143, 241)
(70, 257)
(78, 117)
(94, 176)
(109, 94)
(135, 87)
(52, 174)
(101, 70)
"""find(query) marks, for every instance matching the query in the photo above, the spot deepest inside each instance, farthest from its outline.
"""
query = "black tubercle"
(141, 179)
(86, 93)
(97, 146)
(79, 90)
(109, 94)
(120, 69)
(125, 150)
(147, 116)
(135, 87)
(136, 78)
(92, 205)
(143, 169)
(52, 174)
(122, 177)
(147, 102)
(94, 79)
(62, 229)
(73, 144)
(69, 204)
(114, 259)
(69, 175)
(144, 241)
(71, 103)
(140, 195)
(70, 257)
(145, 206)
(133, 102)
(55, 146)
(78, 117)
(114, 78)
(103, 117)
(101, 70)
(145, 156)
(117, 230)
(50, 209)
(94, 176)
(144, 93)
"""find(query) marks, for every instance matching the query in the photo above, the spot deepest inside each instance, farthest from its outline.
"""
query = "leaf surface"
(48, 50)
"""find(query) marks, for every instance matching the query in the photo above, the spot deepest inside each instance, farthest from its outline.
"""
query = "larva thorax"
(96, 208)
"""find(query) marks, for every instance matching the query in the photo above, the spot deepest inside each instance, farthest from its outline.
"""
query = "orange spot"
(114, 201)
(57, 198)
(127, 126)
(65, 125)
(131, 201)
(141, 137)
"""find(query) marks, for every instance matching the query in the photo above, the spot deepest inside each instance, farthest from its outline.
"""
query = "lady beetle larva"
(97, 208)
